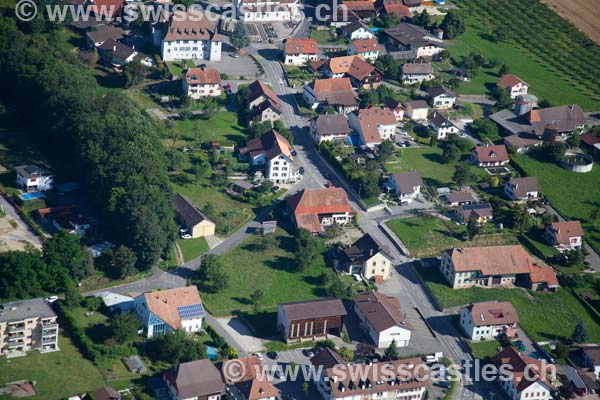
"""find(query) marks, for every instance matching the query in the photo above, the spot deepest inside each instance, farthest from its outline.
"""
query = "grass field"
(573, 195)
(427, 161)
(325, 37)
(545, 51)
(59, 375)
(251, 267)
(488, 348)
(543, 316)
(222, 127)
(428, 236)
(192, 248)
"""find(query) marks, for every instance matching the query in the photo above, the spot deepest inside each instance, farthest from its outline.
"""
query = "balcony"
(49, 325)
(14, 345)
(12, 338)
(16, 328)
(51, 339)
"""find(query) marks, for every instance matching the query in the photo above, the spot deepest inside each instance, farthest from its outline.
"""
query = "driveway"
(15, 234)
(237, 330)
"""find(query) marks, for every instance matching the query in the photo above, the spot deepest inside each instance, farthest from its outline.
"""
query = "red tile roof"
(543, 274)
(202, 76)
(366, 45)
(301, 46)
(520, 363)
(509, 80)
(590, 139)
(564, 231)
(493, 313)
(492, 260)
(491, 153)
(309, 203)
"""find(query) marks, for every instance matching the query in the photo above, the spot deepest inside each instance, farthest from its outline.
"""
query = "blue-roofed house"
(167, 310)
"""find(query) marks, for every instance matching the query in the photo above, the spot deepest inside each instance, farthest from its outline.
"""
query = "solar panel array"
(190, 311)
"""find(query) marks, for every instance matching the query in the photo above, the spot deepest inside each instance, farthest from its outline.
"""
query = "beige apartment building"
(27, 325)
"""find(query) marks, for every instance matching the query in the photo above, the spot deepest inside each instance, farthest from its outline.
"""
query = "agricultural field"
(544, 316)
(573, 195)
(549, 53)
(584, 14)
(428, 236)
(251, 267)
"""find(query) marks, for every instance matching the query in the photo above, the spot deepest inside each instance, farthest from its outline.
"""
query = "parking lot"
(234, 65)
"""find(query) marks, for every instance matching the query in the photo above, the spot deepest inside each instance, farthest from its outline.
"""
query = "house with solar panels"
(165, 311)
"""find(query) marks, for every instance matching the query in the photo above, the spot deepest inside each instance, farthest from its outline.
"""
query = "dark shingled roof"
(331, 124)
(309, 309)
(361, 250)
(438, 90)
(381, 311)
(196, 379)
(188, 211)
(327, 358)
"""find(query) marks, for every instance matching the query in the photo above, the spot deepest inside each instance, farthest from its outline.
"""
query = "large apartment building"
(27, 325)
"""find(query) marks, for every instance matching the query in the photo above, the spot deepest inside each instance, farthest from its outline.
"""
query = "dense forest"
(95, 136)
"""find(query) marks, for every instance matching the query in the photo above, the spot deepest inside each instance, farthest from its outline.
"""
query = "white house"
(417, 73)
(365, 257)
(522, 189)
(382, 318)
(514, 86)
(190, 37)
(33, 178)
(488, 320)
(441, 97)
(368, 48)
(566, 235)
(442, 126)
(406, 185)
(273, 152)
(529, 378)
(300, 51)
(373, 125)
(408, 37)
(396, 107)
(165, 311)
(201, 82)
(357, 30)
(266, 10)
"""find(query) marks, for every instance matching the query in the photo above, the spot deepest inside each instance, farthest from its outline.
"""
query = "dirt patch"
(584, 14)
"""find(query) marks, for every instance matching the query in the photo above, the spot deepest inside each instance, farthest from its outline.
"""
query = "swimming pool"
(32, 196)
(212, 352)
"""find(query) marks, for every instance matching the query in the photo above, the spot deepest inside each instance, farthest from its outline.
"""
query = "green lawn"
(222, 127)
(428, 236)
(488, 348)
(325, 37)
(192, 248)
(573, 195)
(542, 51)
(543, 316)
(251, 267)
(58, 375)
(427, 161)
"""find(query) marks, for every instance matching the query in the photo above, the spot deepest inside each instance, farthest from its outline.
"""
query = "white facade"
(444, 130)
(191, 50)
(467, 279)
(384, 338)
(405, 198)
(300, 59)
(481, 332)
(520, 89)
(199, 90)
(367, 55)
(360, 33)
(386, 131)
(39, 183)
(411, 79)
(278, 169)
(266, 10)
(429, 51)
(444, 101)
(509, 191)
(536, 391)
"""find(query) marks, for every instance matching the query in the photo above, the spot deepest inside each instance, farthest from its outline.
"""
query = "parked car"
(301, 170)
(308, 353)
(258, 355)
(234, 55)
(51, 299)
(329, 184)
(273, 355)
(294, 153)
(520, 345)
(186, 236)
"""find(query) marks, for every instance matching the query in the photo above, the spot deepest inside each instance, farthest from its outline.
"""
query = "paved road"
(21, 233)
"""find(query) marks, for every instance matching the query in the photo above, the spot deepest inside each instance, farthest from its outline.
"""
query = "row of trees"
(99, 139)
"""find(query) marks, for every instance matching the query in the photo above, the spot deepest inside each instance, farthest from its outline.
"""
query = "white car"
(51, 299)
(258, 355)
(186, 236)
